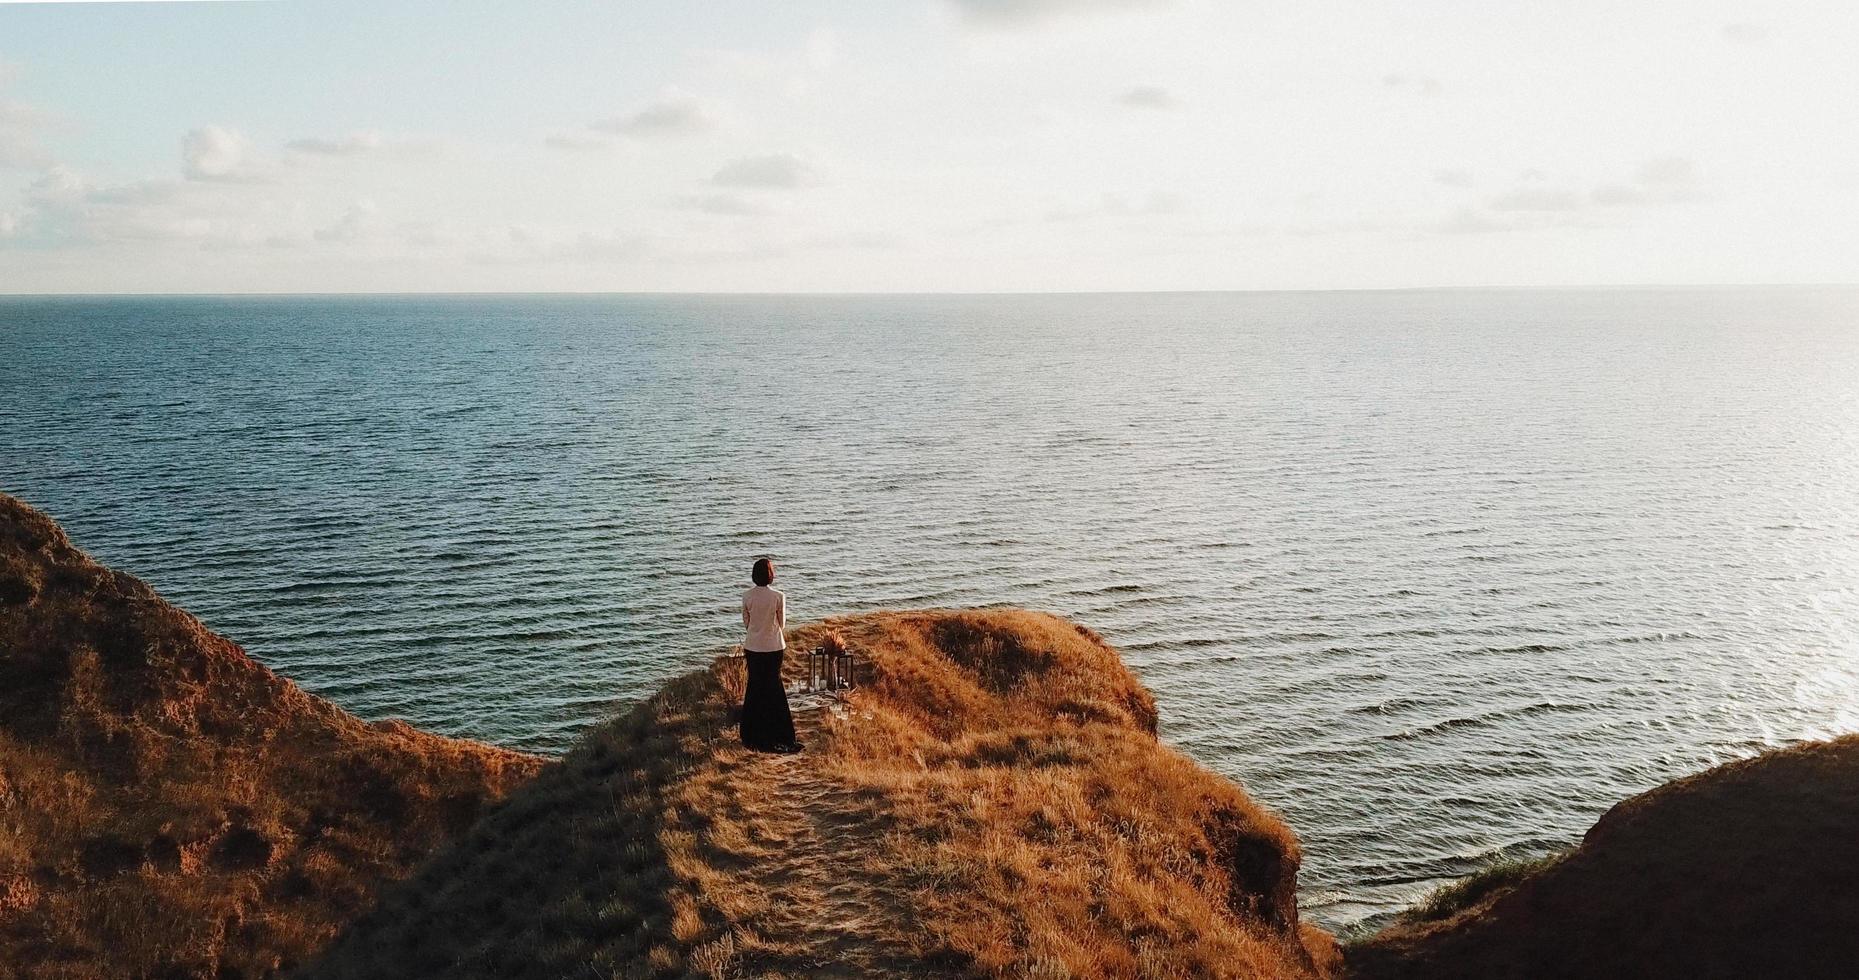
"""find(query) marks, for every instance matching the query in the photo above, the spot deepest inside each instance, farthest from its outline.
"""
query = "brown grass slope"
(993, 802)
(1747, 870)
(171, 808)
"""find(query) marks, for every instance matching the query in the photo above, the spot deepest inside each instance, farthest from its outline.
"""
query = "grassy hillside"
(993, 803)
(169, 807)
(1747, 870)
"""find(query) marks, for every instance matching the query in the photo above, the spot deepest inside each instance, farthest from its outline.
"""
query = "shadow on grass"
(568, 878)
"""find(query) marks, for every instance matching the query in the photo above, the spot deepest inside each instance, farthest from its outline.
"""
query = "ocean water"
(1438, 575)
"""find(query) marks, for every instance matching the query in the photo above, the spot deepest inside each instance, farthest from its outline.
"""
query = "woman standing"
(767, 725)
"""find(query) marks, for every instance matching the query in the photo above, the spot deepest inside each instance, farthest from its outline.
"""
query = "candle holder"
(832, 666)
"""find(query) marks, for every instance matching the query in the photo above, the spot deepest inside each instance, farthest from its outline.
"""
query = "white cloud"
(1147, 97)
(1424, 84)
(21, 129)
(1163, 202)
(1667, 170)
(1003, 13)
(141, 192)
(62, 208)
(424, 234)
(603, 247)
(768, 170)
(576, 142)
(57, 183)
(1617, 195)
(1745, 33)
(1466, 221)
(1536, 199)
(932, 135)
(20, 145)
(729, 204)
(1536, 202)
(1154, 203)
(821, 50)
(214, 153)
(674, 115)
(1662, 180)
(9, 224)
(860, 240)
(357, 223)
(353, 143)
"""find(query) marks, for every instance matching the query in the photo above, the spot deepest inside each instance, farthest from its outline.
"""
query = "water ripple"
(1440, 576)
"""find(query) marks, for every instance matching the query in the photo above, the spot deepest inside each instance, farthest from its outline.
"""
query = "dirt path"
(784, 864)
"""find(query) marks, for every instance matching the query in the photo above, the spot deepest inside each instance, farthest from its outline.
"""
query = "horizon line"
(1567, 287)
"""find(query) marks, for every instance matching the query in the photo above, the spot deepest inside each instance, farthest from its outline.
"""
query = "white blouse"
(764, 615)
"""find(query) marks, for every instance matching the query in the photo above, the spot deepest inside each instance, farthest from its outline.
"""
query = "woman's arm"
(781, 612)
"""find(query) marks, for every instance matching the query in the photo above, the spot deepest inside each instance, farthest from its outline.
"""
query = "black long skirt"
(766, 721)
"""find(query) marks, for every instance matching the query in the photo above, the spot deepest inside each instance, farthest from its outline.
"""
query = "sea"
(1438, 575)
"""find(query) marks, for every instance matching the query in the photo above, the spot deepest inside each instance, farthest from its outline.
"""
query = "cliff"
(1747, 870)
(171, 808)
(993, 803)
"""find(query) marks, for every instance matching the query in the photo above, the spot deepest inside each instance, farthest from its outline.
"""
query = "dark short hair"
(763, 572)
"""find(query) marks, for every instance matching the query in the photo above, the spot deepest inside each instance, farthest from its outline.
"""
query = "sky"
(924, 145)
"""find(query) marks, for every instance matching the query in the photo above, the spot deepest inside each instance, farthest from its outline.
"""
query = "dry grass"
(1747, 870)
(1044, 830)
(1477, 888)
(994, 803)
(169, 807)
(578, 874)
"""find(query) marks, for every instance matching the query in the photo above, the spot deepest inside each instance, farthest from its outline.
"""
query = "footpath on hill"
(786, 858)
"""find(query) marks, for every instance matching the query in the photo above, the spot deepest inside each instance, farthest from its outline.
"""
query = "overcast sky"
(300, 145)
